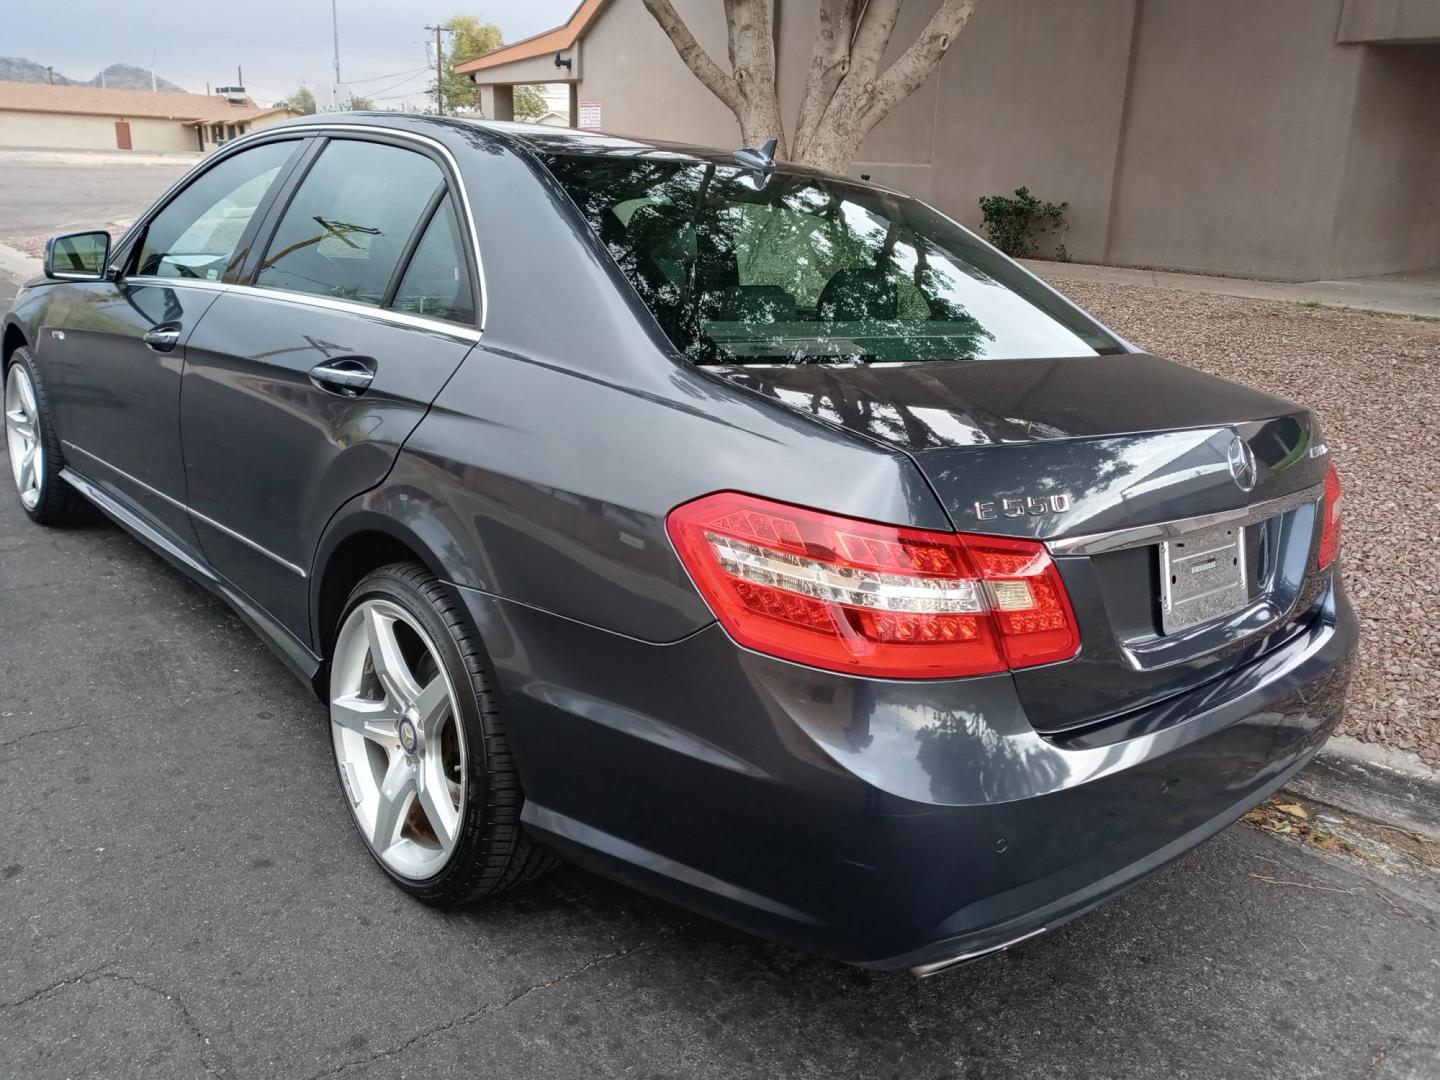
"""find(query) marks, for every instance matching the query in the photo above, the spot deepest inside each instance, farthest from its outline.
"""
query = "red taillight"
(1330, 523)
(870, 599)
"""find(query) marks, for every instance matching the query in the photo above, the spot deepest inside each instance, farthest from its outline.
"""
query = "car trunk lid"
(1135, 471)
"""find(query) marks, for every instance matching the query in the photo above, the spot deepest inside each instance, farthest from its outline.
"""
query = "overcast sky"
(277, 42)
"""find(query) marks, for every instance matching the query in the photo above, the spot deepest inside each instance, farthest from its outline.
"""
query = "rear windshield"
(745, 267)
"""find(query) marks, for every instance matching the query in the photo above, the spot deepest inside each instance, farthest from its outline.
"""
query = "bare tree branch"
(751, 34)
(829, 63)
(917, 62)
(696, 58)
(873, 34)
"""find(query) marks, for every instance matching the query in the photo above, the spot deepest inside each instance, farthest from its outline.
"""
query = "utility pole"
(335, 27)
(439, 69)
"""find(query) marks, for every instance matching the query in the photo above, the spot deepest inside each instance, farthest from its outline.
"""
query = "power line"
(412, 76)
(393, 74)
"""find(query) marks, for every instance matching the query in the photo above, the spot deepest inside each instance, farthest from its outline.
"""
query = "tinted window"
(346, 229)
(743, 267)
(437, 281)
(197, 233)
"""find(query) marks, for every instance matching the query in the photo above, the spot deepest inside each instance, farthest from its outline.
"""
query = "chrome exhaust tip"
(935, 967)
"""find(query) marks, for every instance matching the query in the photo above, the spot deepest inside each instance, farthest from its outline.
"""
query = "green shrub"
(1013, 224)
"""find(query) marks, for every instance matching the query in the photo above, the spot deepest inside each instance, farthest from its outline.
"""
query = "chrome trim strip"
(1141, 535)
(924, 971)
(166, 283)
(340, 130)
(193, 513)
(401, 318)
(279, 133)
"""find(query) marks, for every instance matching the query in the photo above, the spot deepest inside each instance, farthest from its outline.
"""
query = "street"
(182, 893)
(43, 192)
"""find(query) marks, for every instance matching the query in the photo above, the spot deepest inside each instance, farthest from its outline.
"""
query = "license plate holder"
(1202, 577)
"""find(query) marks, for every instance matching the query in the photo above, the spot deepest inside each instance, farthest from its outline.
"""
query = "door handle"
(162, 338)
(349, 377)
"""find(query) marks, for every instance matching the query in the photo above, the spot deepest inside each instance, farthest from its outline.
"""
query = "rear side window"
(349, 223)
(198, 232)
(437, 281)
(740, 266)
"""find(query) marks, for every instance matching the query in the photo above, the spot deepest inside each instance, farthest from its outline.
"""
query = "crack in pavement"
(475, 1014)
(208, 1054)
(43, 731)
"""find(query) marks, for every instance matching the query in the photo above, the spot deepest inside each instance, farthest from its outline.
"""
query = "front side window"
(437, 281)
(740, 266)
(351, 219)
(197, 234)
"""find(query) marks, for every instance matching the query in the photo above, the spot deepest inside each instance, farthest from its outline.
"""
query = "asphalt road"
(46, 192)
(182, 894)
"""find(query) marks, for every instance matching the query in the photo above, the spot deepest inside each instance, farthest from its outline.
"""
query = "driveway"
(182, 894)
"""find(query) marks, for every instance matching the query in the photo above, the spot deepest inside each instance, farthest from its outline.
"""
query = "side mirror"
(78, 256)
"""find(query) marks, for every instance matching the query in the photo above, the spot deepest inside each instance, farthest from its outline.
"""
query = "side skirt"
(292, 652)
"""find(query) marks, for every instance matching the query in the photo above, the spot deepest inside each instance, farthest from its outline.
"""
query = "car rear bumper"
(886, 824)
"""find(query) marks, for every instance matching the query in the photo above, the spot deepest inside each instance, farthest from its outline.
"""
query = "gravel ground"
(1373, 381)
(34, 246)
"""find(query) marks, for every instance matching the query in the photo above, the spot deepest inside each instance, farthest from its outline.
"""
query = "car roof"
(542, 139)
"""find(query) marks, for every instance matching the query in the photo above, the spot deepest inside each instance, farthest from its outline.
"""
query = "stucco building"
(1292, 139)
(89, 118)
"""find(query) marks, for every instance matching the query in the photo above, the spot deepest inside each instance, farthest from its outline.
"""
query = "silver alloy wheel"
(398, 740)
(22, 436)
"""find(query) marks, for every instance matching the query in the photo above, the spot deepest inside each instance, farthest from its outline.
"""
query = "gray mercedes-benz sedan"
(756, 536)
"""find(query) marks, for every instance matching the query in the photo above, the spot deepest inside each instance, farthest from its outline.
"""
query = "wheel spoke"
(24, 428)
(434, 794)
(396, 792)
(27, 397)
(375, 720)
(388, 661)
(27, 472)
(432, 702)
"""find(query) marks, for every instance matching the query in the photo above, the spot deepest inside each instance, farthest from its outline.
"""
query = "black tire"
(59, 504)
(493, 852)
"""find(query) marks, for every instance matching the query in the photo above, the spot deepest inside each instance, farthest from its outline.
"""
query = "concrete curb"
(1376, 782)
(18, 266)
(1419, 300)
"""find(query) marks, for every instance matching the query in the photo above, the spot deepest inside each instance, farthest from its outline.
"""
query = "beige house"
(88, 118)
(1292, 139)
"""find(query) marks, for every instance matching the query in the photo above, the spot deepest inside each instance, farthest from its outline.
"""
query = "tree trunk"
(846, 93)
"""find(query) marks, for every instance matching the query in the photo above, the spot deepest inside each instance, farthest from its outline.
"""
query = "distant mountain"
(114, 77)
(130, 77)
(18, 69)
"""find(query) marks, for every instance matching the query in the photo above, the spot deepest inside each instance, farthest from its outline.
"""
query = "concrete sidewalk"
(1415, 293)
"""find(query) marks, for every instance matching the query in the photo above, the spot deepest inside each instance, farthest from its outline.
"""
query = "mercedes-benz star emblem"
(1242, 464)
(409, 737)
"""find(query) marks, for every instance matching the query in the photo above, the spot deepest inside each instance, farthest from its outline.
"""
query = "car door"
(301, 386)
(114, 367)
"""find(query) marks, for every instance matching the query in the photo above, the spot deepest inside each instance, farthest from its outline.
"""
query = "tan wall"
(1234, 142)
(1224, 136)
(91, 132)
(1388, 214)
(643, 87)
